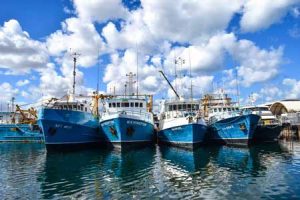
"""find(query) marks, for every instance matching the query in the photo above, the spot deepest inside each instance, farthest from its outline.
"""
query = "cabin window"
(113, 105)
(65, 107)
(136, 104)
(215, 110)
(141, 105)
(70, 107)
(131, 104)
(126, 104)
(170, 107)
(85, 109)
(179, 107)
(184, 106)
(229, 109)
(78, 107)
(109, 105)
(189, 106)
(81, 107)
(224, 109)
(174, 107)
(74, 107)
(220, 109)
(118, 105)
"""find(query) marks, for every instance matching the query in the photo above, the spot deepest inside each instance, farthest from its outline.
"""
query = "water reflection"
(20, 165)
(219, 172)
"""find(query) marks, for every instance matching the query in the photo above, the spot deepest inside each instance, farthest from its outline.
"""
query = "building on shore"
(289, 112)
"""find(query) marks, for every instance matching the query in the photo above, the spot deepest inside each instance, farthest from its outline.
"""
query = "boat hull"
(122, 131)
(68, 128)
(187, 135)
(234, 130)
(20, 133)
(267, 133)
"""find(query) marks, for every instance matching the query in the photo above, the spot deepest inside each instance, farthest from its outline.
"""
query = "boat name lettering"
(176, 129)
(63, 126)
(137, 123)
(108, 123)
(229, 127)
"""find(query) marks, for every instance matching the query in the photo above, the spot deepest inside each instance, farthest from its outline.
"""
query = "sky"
(245, 47)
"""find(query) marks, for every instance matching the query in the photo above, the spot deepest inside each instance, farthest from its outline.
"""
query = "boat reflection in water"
(129, 172)
(244, 170)
(71, 173)
(185, 159)
(20, 165)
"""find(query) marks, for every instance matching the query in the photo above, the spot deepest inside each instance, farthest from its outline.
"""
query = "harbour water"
(272, 171)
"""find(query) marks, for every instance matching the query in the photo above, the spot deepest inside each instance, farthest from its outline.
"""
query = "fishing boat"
(69, 121)
(19, 125)
(180, 122)
(227, 123)
(268, 128)
(127, 119)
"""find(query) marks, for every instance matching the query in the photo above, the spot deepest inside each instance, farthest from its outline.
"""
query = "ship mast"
(130, 83)
(75, 56)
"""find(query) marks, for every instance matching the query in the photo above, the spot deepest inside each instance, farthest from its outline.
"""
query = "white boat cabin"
(175, 109)
(125, 104)
(264, 112)
(223, 112)
(75, 106)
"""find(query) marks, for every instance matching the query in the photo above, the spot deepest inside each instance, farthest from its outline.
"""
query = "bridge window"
(118, 105)
(109, 105)
(174, 107)
(136, 104)
(141, 105)
(170, 107)
(184, 106)
(179, 107)
(215, 110)
(113, 105)
(126, 104)
(131, 104)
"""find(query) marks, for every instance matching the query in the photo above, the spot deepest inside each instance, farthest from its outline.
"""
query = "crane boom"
(169, 83)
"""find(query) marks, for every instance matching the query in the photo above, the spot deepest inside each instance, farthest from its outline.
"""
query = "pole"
(137, 72)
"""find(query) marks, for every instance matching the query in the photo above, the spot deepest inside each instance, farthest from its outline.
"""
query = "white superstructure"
(180, 112)
(267, 118)
(131, 107)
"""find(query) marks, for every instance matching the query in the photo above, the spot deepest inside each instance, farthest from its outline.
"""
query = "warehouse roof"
(285, 106)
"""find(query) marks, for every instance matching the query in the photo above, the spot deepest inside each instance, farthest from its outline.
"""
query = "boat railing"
(146, 115)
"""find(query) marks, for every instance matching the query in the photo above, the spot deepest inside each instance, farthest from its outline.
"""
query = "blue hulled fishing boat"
(228, 124)
(19, 126)
(69, 121)
(127, 119)
(180, 122)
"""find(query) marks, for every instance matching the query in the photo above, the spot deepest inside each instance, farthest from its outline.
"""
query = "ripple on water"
(264, 171)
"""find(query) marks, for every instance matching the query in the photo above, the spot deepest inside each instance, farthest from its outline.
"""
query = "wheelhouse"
(184, 106)
(126, 103)
(215, 110)
(75, 106)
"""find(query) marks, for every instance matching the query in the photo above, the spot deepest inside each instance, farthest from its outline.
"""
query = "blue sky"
(260, 40)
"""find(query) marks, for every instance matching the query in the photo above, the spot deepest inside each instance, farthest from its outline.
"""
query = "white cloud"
(200, 86)
(100, 10)
(150, 80)
(21, 83)
(7, 92)
(18, 52)
(186, 20)
(79, 36)
(258, 14)
(293, 88)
